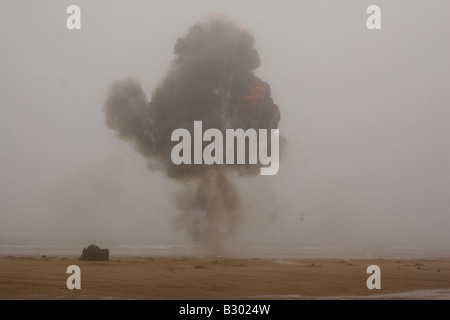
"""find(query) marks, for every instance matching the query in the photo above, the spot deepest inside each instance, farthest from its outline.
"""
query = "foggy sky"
(366, 115)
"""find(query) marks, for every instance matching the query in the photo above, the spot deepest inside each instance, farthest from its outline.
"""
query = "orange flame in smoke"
(254, 95)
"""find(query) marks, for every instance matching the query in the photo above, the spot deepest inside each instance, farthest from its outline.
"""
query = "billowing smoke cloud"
(211, 79)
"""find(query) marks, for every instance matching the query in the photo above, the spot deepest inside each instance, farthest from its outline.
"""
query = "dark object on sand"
(94, 253)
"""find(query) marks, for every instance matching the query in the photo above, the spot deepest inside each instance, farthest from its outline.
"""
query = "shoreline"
(238, 252)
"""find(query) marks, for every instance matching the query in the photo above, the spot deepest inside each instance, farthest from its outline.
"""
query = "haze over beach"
(364, 169)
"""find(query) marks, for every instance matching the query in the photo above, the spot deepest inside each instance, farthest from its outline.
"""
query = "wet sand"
(222, 278)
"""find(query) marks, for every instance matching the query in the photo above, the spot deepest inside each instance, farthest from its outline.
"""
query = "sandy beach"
(223, 278)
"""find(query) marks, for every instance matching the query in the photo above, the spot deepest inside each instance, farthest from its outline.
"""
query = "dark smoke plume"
(211, 79)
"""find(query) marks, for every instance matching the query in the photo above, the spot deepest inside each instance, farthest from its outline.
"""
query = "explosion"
(211, 79)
